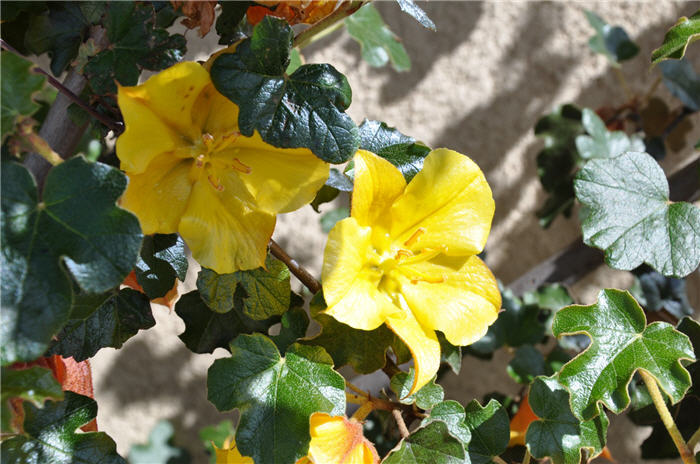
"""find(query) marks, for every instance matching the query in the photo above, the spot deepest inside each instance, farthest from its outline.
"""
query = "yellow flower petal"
(231, 456)
(171, 94)
(350, 287)
(224, 233)
(160, 196)
(377, 184)
(280, 179)
(218, 114)
(337, 440)
(468, 298)
(423, 344)
(450, 201)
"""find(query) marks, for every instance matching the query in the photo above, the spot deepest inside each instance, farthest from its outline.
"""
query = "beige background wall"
(478, 85)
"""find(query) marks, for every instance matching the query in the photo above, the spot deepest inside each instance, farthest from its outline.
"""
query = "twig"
(357, 390)
(115, 126)
(623, 82)
(528, 456)
(390, 368)
(363, 411)
(305, 37)
(666, 418)
(694, 440)
(295, 268)
(403, 430)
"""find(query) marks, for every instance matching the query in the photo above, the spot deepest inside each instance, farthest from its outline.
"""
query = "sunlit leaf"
(489, 428)
(159, 449)
(379, 44)
(676, 40)
(430, 444)
(428, 396)
(602, 143)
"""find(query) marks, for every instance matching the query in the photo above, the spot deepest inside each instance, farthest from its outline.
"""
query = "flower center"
(208, 160)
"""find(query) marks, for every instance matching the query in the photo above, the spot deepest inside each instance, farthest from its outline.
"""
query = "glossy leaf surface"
(676, 40)
(430, 444)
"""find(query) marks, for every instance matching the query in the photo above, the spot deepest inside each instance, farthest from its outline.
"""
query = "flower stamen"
(414, 238)
(200, 160)
(238, 166)
(215, 183)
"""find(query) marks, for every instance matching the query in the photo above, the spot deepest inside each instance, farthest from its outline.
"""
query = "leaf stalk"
(306, 36)
(295, 268)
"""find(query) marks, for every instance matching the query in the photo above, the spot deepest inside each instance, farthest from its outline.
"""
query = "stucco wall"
(478, 85)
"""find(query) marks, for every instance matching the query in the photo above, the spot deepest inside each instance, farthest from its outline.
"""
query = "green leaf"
(451, 413)
(621, 343)
(60, 31)
(527, 363)
(602, 143)
(627, 213)
(379, 44)
(304, 109)
(159, 449)
(558, 434)
(410, 8)
(655, 292)
(364, 350)
(76, 228)
(19, 84)
(450, 354)
(216, 435)
(232, 13)
(280, 393)
(206, 330)
(676, 40)
(611, 41)
(550, 296)
(217, 290)
(490, 429)
(683, 82)
(294, 325)
(400, 150)
(50, 435)
(331, 218)
(35, 384)
(430, 444)
(428, 396)
(103, 320)
(162, 260)
(558, 160)
(266, 291)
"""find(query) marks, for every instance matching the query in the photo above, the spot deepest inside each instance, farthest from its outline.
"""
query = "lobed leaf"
(275, 395)
(19, 84)
(601, 143)
(304, 109)
(628, 214)
(162, 260)
(490, 430)
(428, 396)
(452, 414)
(676, 40)
(610, 41)
(683, 82)
(430, 444)
(76, 228)
(621, 343)
(527, 363)
(379, 44)
(266, 290)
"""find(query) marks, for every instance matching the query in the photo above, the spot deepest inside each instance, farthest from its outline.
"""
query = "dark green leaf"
(379, 44)
(627, 213)
(162, 261)
(294, 325)
(621, 343)
(99, 321)
(49, 435)
(410, 8)
(490, 429)
(601, 143)
(550, 296)
(527, 363)
(677, 38)
(428, 396)
(683, 82)
(19, 85)
(266, 291)
(325, 195)
(206, 330)
(76, 227)
(656, 292)
(59, 31)
(557, 162)
(558, 434)
(275, 395)
(305, 109)
(159, 449)
(364, 350)
(430, 444)
(217, 290)
(35, 384)
(339, 181)
(216, 435)
(611, 41)
(331, 218)
(450, 354)
(400, 150)
(451, 413)
(232, 14)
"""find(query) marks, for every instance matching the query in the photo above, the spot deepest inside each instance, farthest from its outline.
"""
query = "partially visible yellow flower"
(191, 171)
(406, 256)
(337, 440)
(229, 454)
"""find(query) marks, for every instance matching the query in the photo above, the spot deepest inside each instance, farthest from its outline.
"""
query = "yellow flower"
(229, 454)
(337, 440)
(191, 171)
(406, 256)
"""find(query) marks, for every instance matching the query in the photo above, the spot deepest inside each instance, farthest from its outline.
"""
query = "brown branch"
(398, 417)
(295, 268)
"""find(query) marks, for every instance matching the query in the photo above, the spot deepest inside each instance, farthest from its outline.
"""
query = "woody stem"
(306, 36)
(295, 268)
